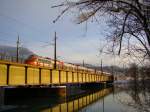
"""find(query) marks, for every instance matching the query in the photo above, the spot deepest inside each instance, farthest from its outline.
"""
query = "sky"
(32, 20)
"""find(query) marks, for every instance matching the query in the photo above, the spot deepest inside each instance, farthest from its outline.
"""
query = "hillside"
(11, 51)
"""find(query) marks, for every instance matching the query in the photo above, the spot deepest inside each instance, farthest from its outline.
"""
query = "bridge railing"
(14, 74)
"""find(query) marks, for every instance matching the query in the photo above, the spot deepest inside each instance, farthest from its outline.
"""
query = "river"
(117, 98)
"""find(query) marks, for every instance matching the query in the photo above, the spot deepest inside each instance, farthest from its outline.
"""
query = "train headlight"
(35, 63)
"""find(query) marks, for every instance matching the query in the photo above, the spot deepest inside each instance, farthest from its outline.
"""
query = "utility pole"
(103, 103)
(55, 58)
(101, 66)
(104, 86)
(17, 55)
(112, 70)
(83, 63)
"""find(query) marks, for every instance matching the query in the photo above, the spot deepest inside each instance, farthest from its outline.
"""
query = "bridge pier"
(73, 89)
(16, 93)
(2, 94)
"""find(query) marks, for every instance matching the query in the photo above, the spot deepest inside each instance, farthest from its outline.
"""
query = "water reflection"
(138, 96)
(128, 97)
(55, 103)
(77, 104)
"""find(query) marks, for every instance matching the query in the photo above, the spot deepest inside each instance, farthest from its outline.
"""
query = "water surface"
(120, 98)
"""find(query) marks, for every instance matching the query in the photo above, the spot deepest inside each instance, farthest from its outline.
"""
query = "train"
(40, 61)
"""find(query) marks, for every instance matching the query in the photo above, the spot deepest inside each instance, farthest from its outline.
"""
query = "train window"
(44, 61)
(31, 57)
(67, 68)
(39, 60)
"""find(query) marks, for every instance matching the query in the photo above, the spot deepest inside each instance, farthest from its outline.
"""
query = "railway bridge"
(14, 74)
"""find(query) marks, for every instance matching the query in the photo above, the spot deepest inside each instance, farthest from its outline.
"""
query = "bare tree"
(133, 71)
(129, 21)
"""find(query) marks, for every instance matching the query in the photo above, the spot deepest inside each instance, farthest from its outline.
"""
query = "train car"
(59, 64)
(69, 67)
(81, 68)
